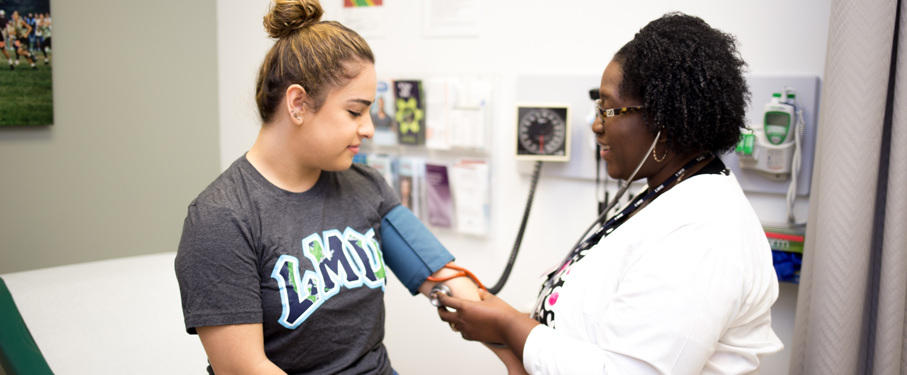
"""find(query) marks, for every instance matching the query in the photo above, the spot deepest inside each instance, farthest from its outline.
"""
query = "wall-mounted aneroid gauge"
(543, 132)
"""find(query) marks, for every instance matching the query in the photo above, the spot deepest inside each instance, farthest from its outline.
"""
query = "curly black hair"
(690, 79)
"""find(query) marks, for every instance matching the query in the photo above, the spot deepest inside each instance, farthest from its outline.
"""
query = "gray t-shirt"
(308, 266)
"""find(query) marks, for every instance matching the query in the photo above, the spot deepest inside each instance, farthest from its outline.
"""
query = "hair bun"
(288, 16)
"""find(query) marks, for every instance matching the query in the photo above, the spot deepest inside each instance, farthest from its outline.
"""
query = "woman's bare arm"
(237, 350)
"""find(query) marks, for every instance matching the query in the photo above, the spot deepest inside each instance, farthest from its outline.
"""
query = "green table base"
(19, 354)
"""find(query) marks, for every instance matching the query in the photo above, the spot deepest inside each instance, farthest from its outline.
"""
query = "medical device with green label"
(773, 148)
(770, 147)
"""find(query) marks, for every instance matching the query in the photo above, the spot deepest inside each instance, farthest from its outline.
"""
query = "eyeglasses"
(605, 113)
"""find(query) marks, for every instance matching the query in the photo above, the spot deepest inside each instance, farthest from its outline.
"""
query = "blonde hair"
(317, 55)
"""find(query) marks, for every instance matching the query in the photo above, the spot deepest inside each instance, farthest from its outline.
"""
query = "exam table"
(119, 316)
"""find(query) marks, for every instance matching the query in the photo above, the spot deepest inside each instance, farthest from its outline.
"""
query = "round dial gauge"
(542, 131)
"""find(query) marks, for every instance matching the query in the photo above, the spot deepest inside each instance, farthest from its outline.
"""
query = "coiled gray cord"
(519, 237)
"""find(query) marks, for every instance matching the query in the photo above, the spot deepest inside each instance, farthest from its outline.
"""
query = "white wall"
(523, 37)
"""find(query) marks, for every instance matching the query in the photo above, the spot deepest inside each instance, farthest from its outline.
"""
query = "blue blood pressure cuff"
(410, 250)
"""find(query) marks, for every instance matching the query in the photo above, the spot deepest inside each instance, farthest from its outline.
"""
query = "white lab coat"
(683, 287)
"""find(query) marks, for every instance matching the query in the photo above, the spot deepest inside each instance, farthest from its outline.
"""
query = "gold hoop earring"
(656, 156)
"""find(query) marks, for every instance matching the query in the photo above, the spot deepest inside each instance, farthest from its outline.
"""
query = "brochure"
(382, 113)
(470, 181)
(437, 196)
(437, 101)
(410, 112)
(410, 176)
(360, 158)
(384, 164)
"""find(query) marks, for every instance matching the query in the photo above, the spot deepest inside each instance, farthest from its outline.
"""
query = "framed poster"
(366, 17)
(25, 80)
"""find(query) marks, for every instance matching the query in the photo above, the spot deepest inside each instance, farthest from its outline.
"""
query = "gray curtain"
(853, 290)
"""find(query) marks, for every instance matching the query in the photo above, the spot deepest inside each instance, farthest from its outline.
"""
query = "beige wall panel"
(135, 137)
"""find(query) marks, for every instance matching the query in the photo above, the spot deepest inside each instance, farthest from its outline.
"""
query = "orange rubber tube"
(463, 272)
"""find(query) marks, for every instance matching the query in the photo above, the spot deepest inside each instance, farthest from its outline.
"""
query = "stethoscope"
(441, 288)
(620, 192)
(585, 241)
(606, 227)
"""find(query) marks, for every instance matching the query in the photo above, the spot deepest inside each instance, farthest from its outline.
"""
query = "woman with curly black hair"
(681, 280)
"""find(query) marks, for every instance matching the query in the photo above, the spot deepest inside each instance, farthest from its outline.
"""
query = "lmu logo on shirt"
(348, 259)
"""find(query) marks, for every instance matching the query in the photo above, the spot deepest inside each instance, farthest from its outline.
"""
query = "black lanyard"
(617, 220)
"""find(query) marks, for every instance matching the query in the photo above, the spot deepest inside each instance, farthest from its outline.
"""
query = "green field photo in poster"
(26, 88)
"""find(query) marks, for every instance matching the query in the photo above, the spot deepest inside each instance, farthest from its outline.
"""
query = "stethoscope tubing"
(620, 194)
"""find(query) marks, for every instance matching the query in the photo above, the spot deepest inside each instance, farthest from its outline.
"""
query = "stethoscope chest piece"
(433, 294)
(433, 297)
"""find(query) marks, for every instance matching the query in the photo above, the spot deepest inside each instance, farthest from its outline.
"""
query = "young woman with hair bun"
(281, 264)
